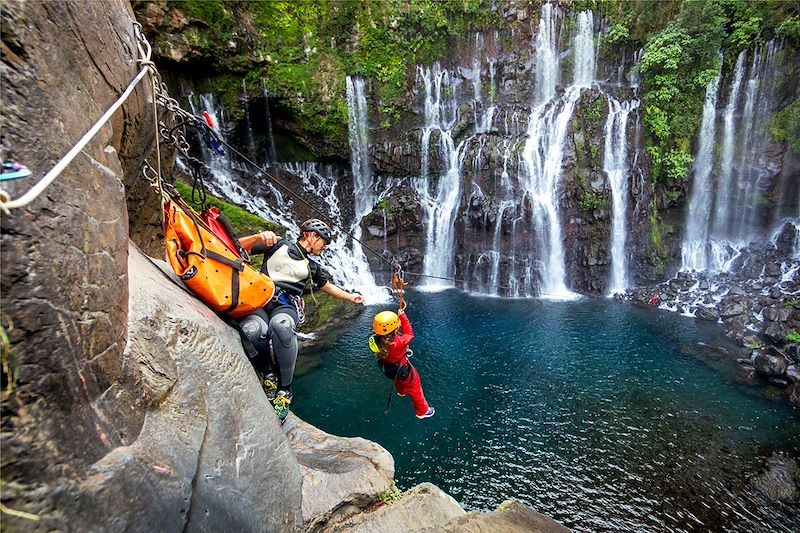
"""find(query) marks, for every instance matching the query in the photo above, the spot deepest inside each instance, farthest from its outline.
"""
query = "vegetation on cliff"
(303, 50)
(682, 55)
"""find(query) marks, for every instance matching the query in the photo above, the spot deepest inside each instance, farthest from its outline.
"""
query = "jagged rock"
(707, 313)
(793, 352)
(340, 474)
(510, 517)
(779, 381)
(793, 373)
(746, 373)
(752, 342)
(770, 362)
(776, 332)
(736, 290)
(422, 508)
(214, 425)
(793, 394)
(780, 479)
(64, 262)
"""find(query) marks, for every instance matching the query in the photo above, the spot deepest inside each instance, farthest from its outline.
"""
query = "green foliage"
(243, 223)
(390, 495)
(789, 29)
(618, 33)
(657, 122)
(660, 251)
(785, 125)
(678, 63)
(793, 337)
(676, 163)
(745, 32)
(212, 12)
(322, 309)
(591, 200)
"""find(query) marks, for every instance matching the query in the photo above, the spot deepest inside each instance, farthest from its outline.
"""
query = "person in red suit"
(393, 334)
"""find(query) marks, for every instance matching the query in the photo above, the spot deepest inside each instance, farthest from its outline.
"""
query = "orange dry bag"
(224, 281)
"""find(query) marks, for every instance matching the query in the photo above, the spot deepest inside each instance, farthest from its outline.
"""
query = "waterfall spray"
(615, 165)
(694, 248)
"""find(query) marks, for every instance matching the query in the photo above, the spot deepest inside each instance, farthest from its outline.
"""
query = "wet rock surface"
(756, 302)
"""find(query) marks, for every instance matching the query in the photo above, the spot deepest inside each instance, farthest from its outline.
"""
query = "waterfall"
(722, 220)
(271, 155)
(722, 212)
(440, 198)
(347, 264)
(584, 50)
(615, 165)
(359, 147)
(759, 98)
(544, 148)
(546, 58)
(223, 182)
(694, 248)
(363, 200)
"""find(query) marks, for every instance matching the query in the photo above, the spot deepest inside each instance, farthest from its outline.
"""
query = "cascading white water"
(615, 165)
(271, 154)
(694, 248)
(544, 148)
(757, 114)
(724, 193)
(364, 199)
(722, 220)
(223, 183)
(546, 57)
(349, 269)
(440, 200)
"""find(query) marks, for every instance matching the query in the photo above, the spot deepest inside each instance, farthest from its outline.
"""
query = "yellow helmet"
(385, 322)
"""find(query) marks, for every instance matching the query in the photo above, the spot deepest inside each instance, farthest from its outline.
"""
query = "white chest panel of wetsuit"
(282, 268)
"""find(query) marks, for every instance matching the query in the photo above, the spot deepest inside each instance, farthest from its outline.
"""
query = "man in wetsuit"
(289, 266)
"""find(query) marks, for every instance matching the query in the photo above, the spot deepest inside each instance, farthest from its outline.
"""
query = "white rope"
(37, 189)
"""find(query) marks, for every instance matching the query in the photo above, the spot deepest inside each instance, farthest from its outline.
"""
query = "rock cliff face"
(64, 282)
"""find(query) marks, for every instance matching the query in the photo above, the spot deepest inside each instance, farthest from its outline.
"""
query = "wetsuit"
(289, 266)
(395, 365)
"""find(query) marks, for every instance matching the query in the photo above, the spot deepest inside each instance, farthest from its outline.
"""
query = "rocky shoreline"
(756, 302)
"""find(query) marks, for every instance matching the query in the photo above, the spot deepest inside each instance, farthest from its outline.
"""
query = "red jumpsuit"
(396, 355)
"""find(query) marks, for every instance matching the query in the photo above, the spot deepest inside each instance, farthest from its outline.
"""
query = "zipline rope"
(327, 217)
(161, 97)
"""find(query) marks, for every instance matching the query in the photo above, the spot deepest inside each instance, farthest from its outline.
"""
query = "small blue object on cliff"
(14, 171)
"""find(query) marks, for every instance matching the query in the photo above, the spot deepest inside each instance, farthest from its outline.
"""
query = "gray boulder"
(707, 313)
(340, 475)
(734, 306)
(423, 508)
(770, 362)
(510, 517)
(780, 479)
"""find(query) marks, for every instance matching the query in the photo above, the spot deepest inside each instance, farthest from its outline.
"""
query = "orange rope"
(398, 285)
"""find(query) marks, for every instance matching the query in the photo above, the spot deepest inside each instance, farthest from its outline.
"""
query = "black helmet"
(318, 227)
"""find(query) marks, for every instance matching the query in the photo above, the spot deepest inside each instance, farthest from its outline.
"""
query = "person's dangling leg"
(284, 345)
(412, 386)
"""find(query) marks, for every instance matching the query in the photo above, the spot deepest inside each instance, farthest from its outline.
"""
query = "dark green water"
(602, 415)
